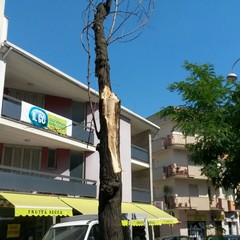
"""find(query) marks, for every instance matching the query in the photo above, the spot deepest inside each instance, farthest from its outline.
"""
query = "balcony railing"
(17, 179)
(225, 204)
(175, 170)
(176, 140)
(12, 109)
(139, 154)
(188, 202)
(195, 172)
(141, 195)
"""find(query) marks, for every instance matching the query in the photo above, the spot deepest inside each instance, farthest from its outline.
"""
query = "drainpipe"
(150, 165)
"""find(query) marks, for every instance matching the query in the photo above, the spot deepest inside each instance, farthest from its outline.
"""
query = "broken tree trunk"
(110, 191)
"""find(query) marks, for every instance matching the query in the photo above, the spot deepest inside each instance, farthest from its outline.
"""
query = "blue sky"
(200, 31)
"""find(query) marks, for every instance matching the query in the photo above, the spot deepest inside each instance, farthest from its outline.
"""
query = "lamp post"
(233, 76)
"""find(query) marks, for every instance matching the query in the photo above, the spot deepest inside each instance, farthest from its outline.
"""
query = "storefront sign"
(13, 230)
(45, 119)
(196, 218)
(42, 212)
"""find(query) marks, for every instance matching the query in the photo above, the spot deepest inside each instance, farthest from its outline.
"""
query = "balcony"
(231, 206)
(13, 109)
(198, 203)
(17, 179)
(195, 172)
(176, 141)
(176, 171)
(139, 154)
(141, 195)
(223, 204)
(178, 202)
(226, 205)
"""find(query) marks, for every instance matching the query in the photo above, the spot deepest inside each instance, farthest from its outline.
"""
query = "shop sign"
(41, 212)
(196, 218)
(44, 119)
(220, 216)
(13, 230)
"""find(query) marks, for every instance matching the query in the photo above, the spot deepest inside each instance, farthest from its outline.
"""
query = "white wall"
(92, 168)
(3, 22)
(92, 162)
(125, 155)
(3, 36)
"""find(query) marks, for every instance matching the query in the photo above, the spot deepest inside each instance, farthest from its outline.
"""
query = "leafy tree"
(211, 112)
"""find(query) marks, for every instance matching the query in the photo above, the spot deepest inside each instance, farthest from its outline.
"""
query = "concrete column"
(150, 165)
(3, 37)
(2, 81)
(3, 22)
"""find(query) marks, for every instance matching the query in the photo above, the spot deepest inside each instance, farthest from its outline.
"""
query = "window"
(193, 190)
(21, 157)
(76, 164)
(7, 156)
(190, 162)
(51, 158)
(33, 98)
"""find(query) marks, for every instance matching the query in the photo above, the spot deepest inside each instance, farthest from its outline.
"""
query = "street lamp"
(233, 76)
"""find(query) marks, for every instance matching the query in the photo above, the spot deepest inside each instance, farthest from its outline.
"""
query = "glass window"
(7, 158)
(193, 190)
(22, 157)
(17, 157)
(36, 155)
(51, 158)
(26, 158)
(69, 233)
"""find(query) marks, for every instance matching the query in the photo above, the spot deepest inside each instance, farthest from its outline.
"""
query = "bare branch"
(87, 48)
(113, 22)
(130, 33)
(140, 11)
(128, 18)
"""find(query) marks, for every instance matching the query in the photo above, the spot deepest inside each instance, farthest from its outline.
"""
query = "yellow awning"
(37, 205)
(154, 215)
(132, 208)
(82, 205)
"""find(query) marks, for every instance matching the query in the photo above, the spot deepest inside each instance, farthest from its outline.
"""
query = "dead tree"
(110, 191)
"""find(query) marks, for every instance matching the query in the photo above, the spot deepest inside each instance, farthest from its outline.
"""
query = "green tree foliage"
(211, 112)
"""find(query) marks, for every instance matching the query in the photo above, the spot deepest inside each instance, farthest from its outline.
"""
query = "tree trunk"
(110, 192)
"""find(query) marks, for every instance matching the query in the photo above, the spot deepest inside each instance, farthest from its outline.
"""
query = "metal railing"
(139, 154)
(12, 107)
(17, 179)
(59, 177)
(141, 195)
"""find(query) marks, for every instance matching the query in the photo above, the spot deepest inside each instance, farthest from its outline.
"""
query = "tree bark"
(110, 192)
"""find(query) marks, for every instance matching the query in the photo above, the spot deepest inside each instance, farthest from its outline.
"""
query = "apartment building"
(49, 166)
(181, 189)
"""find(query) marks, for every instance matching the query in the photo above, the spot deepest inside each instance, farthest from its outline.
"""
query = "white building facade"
(181, 189)
(48, 145)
